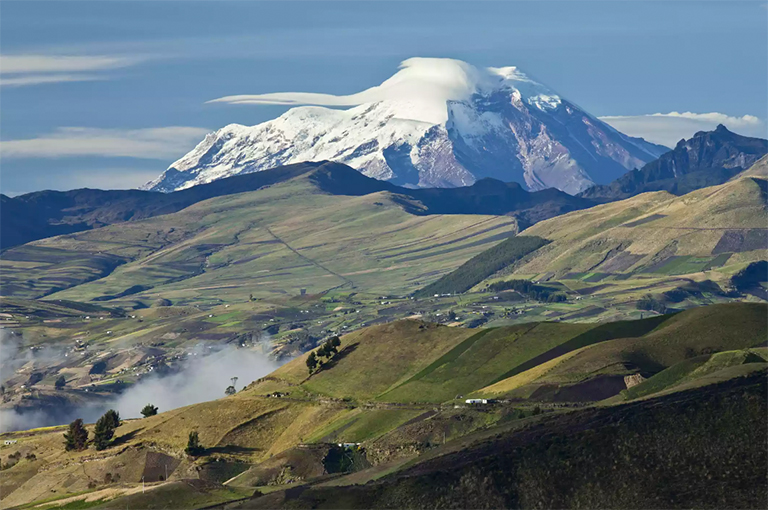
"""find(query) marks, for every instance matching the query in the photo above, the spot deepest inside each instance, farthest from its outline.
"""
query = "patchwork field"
(283, 240)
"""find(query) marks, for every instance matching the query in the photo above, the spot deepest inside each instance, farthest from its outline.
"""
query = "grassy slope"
(690, 370)
(693, 223)
(680, 339)
(692, 449)
(274, 241)
(372, 360)
(398, 362)
(408, 361)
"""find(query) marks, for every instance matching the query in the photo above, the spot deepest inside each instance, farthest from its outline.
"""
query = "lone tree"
(105, 429)
(76, 438)
(193, 444)
(149, 410)
(60, 382)
(312, 362)
(114, 418)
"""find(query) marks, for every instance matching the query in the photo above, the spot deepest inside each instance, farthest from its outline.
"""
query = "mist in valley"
(204, 375)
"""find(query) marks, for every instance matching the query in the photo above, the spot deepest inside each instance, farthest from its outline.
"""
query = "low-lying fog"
(202, 377)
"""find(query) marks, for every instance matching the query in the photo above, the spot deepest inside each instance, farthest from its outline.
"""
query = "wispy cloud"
(670, 128)
(426, 84)
(32, 69)
(150, 143)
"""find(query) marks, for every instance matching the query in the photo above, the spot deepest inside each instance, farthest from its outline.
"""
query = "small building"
(476, 401)
(9, 442)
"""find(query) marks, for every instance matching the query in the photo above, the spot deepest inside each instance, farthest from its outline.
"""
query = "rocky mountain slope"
(435, 123)
(706, 159)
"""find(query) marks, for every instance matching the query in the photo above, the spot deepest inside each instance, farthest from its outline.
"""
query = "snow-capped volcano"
(435, 123)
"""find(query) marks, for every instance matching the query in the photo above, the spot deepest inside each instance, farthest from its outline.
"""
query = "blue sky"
(107, 94)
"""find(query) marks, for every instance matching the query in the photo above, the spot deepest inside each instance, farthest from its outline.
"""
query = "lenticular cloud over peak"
(427, 82)
(436, 122)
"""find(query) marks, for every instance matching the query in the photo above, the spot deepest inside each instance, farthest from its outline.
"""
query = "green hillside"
(411, 361)
(270, 243)
(702, 448)
(657, 234)
(606, 263)
(679, 344)
(392, 388)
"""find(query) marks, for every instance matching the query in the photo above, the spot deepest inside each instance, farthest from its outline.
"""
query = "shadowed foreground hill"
(703, 448)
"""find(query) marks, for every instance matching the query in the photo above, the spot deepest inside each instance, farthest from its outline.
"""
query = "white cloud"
(423, 84)
(149, 143)
(37, 79)
(669, 128)
(20, 70)
(16, 64)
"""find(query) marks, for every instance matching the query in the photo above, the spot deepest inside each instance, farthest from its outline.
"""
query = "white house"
(476, 401)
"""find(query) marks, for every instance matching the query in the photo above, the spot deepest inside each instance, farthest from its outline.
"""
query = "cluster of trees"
(530, 290)
(328, 350)
(76, 437)
(483, 265)
(98, 368)
(648, 302)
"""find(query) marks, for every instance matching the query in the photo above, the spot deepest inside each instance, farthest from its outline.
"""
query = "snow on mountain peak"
(421, 87)
(435, 122)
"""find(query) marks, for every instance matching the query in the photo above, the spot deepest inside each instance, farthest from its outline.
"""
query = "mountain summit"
(435, 123)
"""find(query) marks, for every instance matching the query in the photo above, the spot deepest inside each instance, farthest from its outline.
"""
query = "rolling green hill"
(392, 388)
(657, 233)
(679, 341)
(400, 362)
(702, 448)
(272, 242)
(680, 251)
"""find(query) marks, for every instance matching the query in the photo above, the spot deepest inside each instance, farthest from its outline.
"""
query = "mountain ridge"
(707, 158)
(48, 213)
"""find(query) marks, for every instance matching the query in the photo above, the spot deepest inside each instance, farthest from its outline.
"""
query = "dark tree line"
(530, 290)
